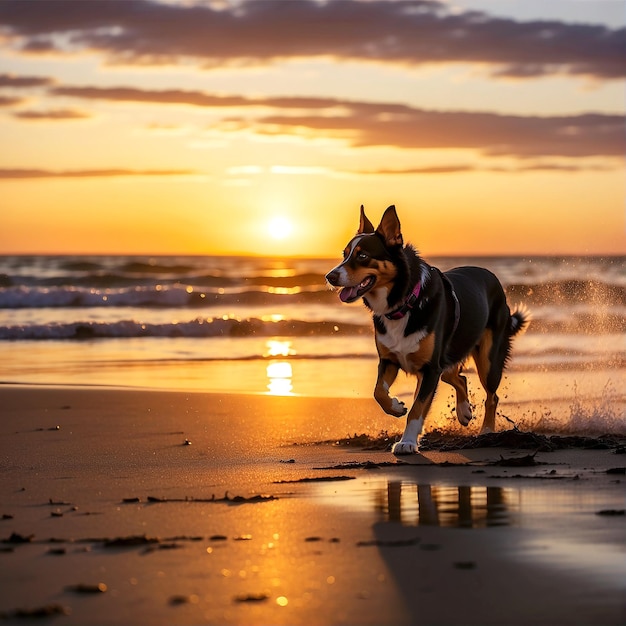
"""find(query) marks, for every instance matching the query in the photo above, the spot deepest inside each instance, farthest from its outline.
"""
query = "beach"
(130, 506)
(223, 224)
(193, 440)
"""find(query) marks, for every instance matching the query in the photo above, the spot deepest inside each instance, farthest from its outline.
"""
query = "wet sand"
(146, 507)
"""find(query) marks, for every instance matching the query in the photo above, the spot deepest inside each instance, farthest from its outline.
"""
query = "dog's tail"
(519, 320)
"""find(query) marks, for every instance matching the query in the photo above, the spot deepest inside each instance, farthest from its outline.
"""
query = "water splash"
(587, 416)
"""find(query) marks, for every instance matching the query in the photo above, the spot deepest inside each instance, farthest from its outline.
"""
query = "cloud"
(432, 169)
(54, 115)
(187, 97)
(365, 124)
(16, 82)
(409, 32)
(9, 101)
(461, 169)
(491, 134)
(7, 174)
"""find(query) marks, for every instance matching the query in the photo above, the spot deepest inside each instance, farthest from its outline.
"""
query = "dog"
(427, 322)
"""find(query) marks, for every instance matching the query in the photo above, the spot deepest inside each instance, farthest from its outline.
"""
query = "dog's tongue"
(348, 293)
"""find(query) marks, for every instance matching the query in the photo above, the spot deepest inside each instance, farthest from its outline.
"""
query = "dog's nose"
(333, 277)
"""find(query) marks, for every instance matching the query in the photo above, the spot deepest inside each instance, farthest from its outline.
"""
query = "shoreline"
(588, 407)
(215, 511)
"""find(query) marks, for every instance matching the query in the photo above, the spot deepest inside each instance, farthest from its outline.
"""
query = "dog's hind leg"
(490, 357)
(453, 377)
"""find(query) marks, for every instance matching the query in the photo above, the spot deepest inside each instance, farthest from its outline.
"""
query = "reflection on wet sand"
(415, 504)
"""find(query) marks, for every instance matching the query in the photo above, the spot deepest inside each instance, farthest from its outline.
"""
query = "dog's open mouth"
(350, 294)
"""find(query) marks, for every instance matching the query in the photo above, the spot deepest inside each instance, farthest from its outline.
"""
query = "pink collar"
(409, 303)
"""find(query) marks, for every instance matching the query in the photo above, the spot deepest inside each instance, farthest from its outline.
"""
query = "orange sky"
(187, 127)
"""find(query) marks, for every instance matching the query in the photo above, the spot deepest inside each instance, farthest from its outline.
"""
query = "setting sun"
(279, 227)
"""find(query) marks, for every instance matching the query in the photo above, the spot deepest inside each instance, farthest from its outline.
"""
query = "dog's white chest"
(401, 346)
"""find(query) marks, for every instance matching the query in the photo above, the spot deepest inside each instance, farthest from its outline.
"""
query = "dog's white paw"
(464, 413)
(404, 447)
(398, 408)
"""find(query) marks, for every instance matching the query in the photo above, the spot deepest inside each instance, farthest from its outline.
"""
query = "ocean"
(272, 326)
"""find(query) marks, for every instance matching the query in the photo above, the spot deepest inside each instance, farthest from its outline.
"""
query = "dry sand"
(144, 507)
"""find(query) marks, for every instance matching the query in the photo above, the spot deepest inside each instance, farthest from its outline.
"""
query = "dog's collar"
(407, 305)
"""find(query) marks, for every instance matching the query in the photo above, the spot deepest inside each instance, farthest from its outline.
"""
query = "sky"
(260, 126)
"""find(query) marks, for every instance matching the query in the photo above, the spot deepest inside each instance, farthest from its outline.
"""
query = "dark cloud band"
(410, 32)
(386, 124)
(21, 174)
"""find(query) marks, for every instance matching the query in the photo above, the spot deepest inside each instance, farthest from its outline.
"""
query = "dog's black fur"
(427, 322)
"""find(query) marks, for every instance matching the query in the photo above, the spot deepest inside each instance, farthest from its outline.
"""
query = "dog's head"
(369, 259)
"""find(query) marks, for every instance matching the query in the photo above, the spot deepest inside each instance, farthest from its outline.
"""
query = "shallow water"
(560, 519)
(271, 326)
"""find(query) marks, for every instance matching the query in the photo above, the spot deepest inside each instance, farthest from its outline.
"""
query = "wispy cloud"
(10, 101)
(7, 174)
(51, 115)
(409, 32)
(18, 82)
(490, 133)
(494, 169)
(364, 124)
(189, 97)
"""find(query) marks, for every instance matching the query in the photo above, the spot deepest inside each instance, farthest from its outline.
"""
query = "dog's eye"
(362, 256)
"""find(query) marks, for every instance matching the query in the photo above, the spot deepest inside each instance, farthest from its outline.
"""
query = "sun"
(279, 227)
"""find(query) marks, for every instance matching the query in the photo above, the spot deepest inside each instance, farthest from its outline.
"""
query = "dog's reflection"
(437, 505)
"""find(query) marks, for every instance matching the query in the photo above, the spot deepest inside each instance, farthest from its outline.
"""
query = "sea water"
(260, 325)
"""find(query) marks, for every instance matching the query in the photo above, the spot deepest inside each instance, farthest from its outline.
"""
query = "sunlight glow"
(280, 227)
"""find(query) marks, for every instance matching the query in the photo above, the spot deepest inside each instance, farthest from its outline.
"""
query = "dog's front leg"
(425, 393)
(387, 374)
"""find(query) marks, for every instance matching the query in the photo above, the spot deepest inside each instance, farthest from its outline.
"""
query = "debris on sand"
(251, 597)
(133, 541)
(520, 461)
(17, 538)
(365, 465)
(88, 588)
(227, 499)
(383, 441)
(314, 479)
(441, 441)
(612, 512)
(52, 502)
(163, 546)
(517, 439)
(49, 610)
(182, 599)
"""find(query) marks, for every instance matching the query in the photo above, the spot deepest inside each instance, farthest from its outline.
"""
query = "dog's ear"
(389, 228)
(365, 226)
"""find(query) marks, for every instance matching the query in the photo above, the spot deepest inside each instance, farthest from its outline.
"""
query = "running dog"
(427, 322)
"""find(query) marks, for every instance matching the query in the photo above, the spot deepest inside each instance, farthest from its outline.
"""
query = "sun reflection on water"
(279, 372)
(279, 347)
(280, 376)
